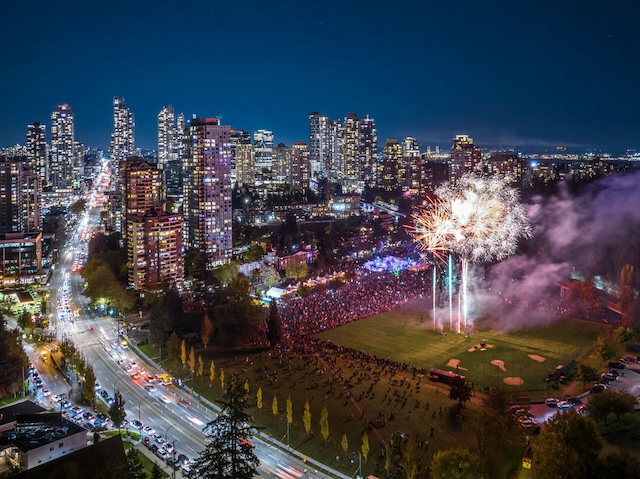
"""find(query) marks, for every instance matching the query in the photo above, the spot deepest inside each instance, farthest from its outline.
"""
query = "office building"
(62, 149)
(465, 157)
(347, 165)
(281, 164)
(506, 163)
(207, 189)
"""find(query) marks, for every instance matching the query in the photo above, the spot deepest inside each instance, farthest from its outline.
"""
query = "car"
(99, 422)
(153, 448)
(583, 410)
(135, 375)
(110, 401)
(598, 387)
(136, 424)
(182, 458)
(46, 392)
(66, 404)
(146, 441)
(551, 402)
(148, 430)
(617, 365)
(104, 394)
(97, 387)
(184, 403)
(564, 405)
(168, 447)
(56, 398)
(615, 372)
(104, 417)
(186, 470)
(173, 463)
(88, 415)
(77, 418)
(608, 376)
(39, 384)
(150, 387)
(165, 399)
(77, 409)
(162, 454)
(158, 438)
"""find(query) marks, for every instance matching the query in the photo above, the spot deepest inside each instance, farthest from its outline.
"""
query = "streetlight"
(166, 433)
(139, 404)
(114, 385)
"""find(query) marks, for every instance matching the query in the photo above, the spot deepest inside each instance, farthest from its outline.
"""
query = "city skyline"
(526, 76)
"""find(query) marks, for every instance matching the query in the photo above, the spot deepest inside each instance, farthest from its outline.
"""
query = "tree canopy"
(230, 454)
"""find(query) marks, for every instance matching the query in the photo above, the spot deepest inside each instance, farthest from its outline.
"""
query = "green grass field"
(407, 335)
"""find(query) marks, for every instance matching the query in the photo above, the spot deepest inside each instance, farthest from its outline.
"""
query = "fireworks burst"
(479, 218)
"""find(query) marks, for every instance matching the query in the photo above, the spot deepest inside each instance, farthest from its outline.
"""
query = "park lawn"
(407, 336)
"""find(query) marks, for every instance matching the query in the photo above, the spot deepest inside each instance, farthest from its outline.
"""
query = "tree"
(324, 424)
(459, 390)
(344, 443)
(200, 366)
(207, 330)
(135, 470)
(222, 379)
(227, 273)
(173, 346)
(297, 268)
(192, 360)
(183, 353)
(624, 334)
(388, 458)
(627, 296)
(306, 417)
(274, 327)
(586, 373)
(583, 300)
(409, 464)
(269, 276)
(255, 253)
(116, 410)
(620, 463)
(456, 463)
(608, 402)
(229, 454)
(568, 447)
(239, 316)
(274, 405)
(289, 409)
(247, 389)
(212, 371)
(259, 398)
(156, 472)
(365, 446)
(605, 348)
(89, 385)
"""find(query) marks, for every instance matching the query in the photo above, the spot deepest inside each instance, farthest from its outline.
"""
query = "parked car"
(564, 404)
(153, 448)
(551, 402)
(162, 454)
(136, 424)
(148, 430)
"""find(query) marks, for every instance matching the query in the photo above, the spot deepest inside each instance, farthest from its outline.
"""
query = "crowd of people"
(368, 294)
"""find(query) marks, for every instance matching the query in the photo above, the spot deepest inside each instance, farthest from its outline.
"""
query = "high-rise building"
(263, 154)
(242, 158)
(300, 167)
(154, 249)
(37, 150)
(180, 136)
(20, 199)
(207, 189)
(368, 150)
(122, 139)
(392, 171)
(413, 165)
(506, 163)
(281, 163)
(167, 136)
(318, 131)
(142, 189)
(465, 157)
(78, 164)
(62, 149)
(347, 166)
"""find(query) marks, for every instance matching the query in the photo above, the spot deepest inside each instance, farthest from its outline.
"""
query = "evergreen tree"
(183, 353)
(274, 328)
(306, 417)
(229, 454)
(192, 360)
(156, 472)
(135, 470)
(206, 330)
(324, 424)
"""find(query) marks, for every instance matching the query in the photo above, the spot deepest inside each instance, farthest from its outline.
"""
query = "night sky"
(525, 74)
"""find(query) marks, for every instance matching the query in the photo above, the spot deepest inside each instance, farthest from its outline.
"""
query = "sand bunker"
(454, 363)
(514, 381)
(499, 363)
(535, 357)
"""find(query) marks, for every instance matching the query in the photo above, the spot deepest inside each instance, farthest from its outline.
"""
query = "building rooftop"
(8, 413)
(36, 430)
